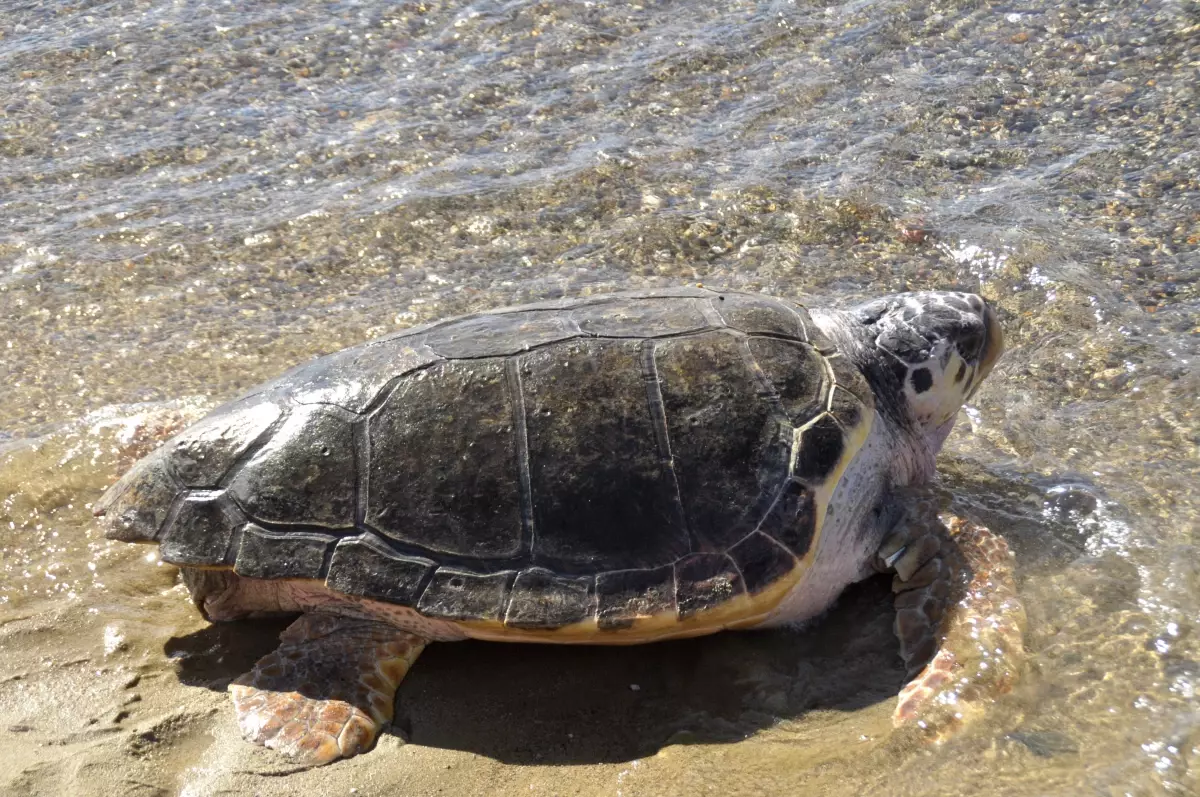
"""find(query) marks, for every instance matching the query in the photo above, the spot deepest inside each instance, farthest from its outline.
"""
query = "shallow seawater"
(196, 197)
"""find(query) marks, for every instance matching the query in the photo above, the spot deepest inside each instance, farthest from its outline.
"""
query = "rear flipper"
(958, 618)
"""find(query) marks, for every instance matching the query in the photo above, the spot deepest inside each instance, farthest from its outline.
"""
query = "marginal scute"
(821, 447)
(200, 531)
(305, 473)
(792, 519)
(462, 595)
(761, 561)
(135, 508)
(496, 335)
(845, 407)
(543, 599)
(597, 476)
(364, 565)
(706, 581)
(648, 318)
(623, 596)
(850, 379)
(281, 554)
(443, 470)
(353, 379)
(201, 455)
(763, 315)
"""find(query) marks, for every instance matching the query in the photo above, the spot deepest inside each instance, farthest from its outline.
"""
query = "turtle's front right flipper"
(958, 619)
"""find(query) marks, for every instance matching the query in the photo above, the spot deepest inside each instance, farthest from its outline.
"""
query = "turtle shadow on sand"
(550, 704)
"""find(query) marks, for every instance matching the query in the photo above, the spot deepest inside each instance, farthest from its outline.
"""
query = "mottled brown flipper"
(958, 619)
(328, 689)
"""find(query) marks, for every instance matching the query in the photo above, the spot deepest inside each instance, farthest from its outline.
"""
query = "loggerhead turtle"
(619, 469)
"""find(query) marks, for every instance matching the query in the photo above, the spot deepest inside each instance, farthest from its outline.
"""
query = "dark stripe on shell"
(516, 397)
(662, 435)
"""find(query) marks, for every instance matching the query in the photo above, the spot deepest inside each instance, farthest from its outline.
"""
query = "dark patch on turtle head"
(922, 380)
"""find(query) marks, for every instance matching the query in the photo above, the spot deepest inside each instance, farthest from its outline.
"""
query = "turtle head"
(924, 354)
(937, 347)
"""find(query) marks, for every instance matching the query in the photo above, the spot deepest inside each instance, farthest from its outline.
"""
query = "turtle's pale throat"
(924, 464)
(938, 436)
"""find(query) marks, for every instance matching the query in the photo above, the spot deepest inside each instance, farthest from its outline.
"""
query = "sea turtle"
(618, 469)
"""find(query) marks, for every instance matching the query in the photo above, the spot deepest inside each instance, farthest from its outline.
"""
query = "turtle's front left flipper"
(958, 619)
(328, 689)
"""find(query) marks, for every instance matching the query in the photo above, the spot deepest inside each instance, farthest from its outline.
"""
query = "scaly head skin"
(925, 354)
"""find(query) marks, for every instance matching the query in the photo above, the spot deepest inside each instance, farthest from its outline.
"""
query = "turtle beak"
(993, 344)
(993, 347)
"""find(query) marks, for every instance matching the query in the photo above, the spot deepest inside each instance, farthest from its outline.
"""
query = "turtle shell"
(604, 461)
